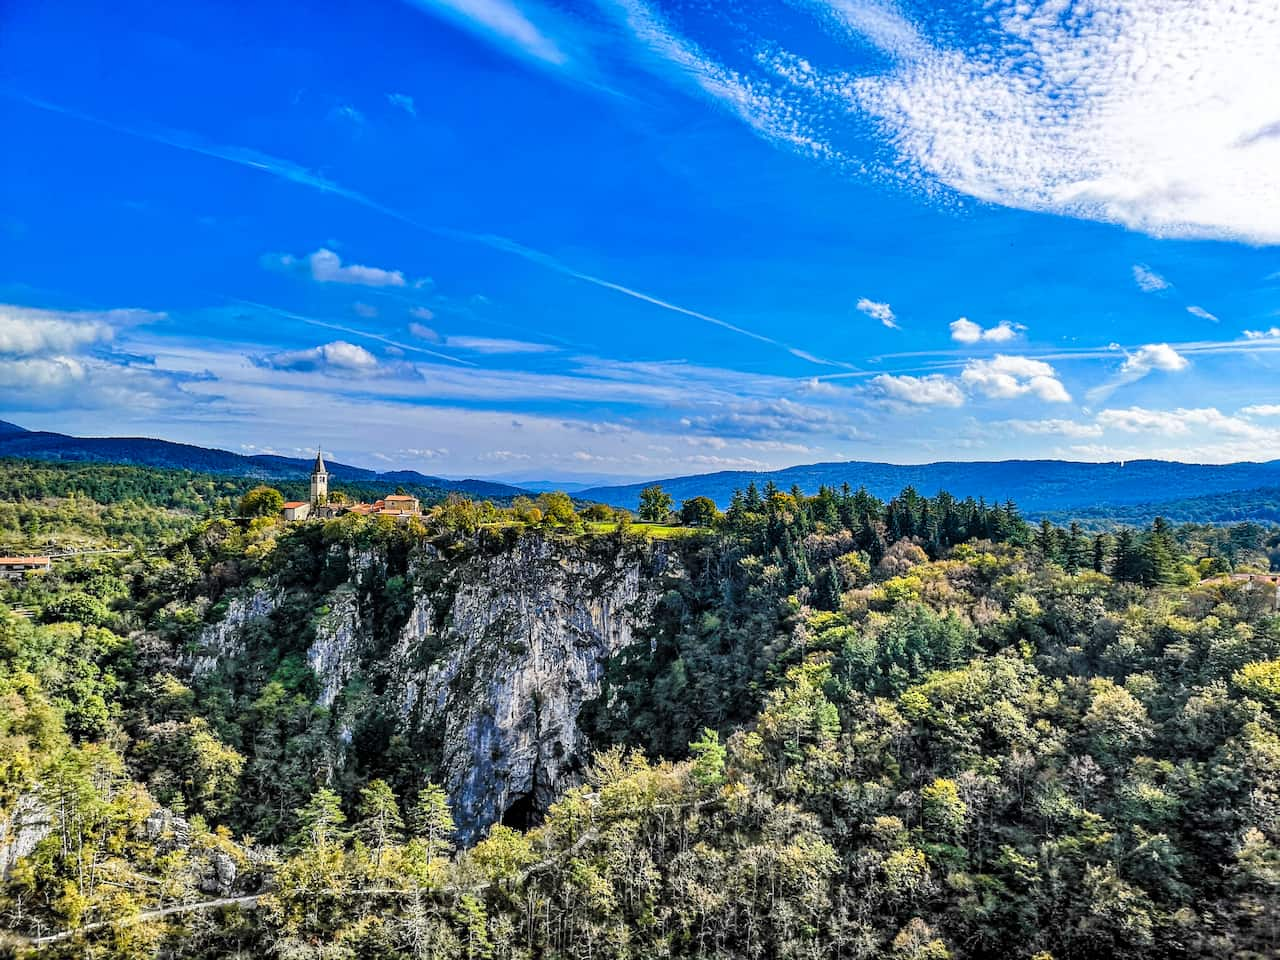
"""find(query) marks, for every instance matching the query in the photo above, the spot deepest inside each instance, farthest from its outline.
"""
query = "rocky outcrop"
(21, 831)
(334, 654)
(225, 638)
(527, 638)
(492, 656)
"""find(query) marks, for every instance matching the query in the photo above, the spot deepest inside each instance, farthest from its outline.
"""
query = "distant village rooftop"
(13, 568)
(322, 507)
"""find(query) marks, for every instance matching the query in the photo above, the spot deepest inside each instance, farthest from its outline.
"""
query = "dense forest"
(921, 728)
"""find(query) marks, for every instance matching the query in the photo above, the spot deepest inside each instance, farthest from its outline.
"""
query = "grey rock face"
(27, 824)
(334, 654)
(221, 879)
(225, 638)
(527, 639)
(496, 658)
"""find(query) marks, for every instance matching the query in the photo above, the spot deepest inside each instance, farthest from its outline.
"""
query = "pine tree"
(433, 821)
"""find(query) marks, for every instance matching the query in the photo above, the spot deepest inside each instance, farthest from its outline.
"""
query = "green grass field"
(657, 531)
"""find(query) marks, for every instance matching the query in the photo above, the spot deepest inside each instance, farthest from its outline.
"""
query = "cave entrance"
(521, 813)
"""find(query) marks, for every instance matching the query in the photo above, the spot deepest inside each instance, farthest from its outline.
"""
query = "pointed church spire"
(319, 481)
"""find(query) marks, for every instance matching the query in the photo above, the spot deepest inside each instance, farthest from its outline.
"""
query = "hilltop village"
(323, 507)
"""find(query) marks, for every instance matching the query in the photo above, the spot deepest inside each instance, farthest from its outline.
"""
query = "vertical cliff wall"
(481, 659)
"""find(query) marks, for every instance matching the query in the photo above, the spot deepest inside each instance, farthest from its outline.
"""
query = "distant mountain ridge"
(1037, 486)
(1060, 489)
(15, 441)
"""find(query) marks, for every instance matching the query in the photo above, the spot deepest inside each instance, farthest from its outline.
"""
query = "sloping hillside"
(146, 451)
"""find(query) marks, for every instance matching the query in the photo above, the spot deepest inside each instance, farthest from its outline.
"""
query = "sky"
(621, 238)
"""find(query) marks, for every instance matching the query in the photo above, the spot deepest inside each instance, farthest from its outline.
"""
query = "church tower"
(319, 481)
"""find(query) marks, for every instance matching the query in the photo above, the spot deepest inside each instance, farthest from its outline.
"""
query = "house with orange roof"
(15, 568)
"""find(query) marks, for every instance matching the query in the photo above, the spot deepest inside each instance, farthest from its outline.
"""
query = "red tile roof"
(10, 561)
(293, 504)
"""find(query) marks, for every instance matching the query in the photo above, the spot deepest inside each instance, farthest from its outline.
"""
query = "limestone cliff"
(482, 658)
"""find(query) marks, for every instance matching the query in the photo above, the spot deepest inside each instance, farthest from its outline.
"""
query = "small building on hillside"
(15, 568)
(297, 510)
(398, 505)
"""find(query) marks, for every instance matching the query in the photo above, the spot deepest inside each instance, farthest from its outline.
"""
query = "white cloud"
(349, 113)
(1068, 111)
(423, 313)
(325, 266)
(1202, 313)
(31, 331)
(1051, 106)
(404, 102)
(366, 310)
(496, 345)
(40, 374)
(1148, 280)
(1262, 334)
(338, 356)
(1065, 428)
(1182, 421)
(502, 23)
(965, 330)
(423, 332)
(1144, 360)
(1004, 377)
(879, 311)
(933, 390)
(1262, 410)
(53, 360)
(1153, 356)
(754, 101)
(770, 419)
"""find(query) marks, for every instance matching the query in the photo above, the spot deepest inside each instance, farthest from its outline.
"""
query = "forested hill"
(812, 728)
(16, 441)
(1038, 486)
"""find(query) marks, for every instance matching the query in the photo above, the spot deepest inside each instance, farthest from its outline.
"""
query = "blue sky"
(618, 238)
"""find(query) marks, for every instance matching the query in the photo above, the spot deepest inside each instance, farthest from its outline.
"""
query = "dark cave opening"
(521, 813)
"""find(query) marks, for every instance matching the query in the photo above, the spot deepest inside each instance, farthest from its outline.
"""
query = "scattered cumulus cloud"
(423, 313)
(965, 330)
(29, 331)
(325, 266)
(1182, 421)
(338, 356)
(1148, 280)
(1202, 313)
(1005, 377)
(1153, 356)
(933, 390)
(1268, 334)
(879, 311)
(1143, 361)
(1262, 410)
(366, 310)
